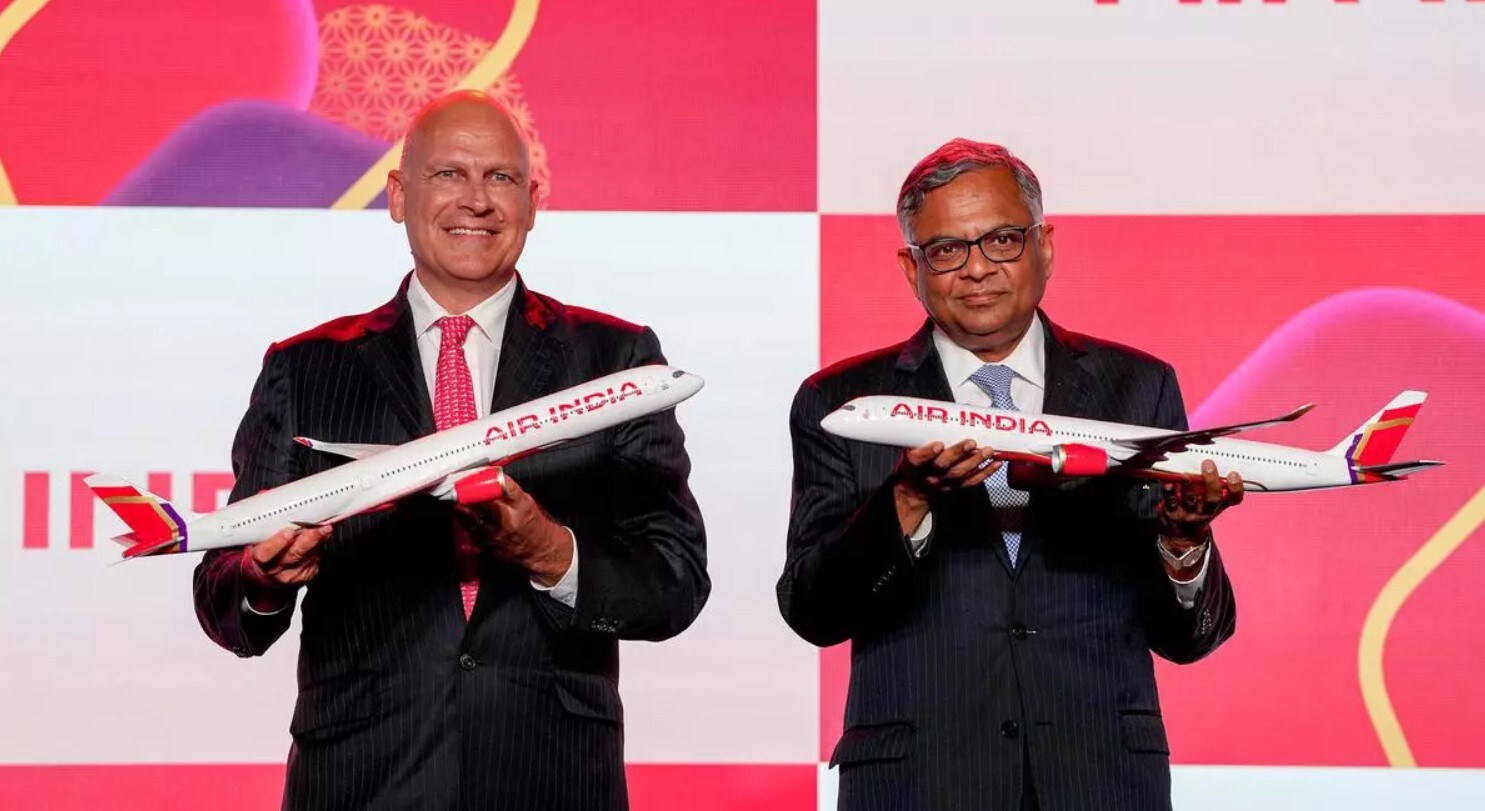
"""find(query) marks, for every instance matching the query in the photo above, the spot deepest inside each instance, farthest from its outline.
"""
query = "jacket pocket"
(588, 695)
(334, 708)
(1143, 732)
(873, 743)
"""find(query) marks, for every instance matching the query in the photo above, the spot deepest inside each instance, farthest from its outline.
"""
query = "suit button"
(1010, 729)
(467, 662)
(1018, 632)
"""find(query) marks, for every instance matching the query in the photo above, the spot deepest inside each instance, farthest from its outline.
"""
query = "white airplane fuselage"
(435, 462)
(1017, 436)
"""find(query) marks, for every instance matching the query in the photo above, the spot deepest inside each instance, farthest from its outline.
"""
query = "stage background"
(1283, 199)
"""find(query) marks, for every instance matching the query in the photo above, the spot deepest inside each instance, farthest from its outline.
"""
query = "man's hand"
(934, 468)
(273, 569)
(1186, 512)
(515, 528)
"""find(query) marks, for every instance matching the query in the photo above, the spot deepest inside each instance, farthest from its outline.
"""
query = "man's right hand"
(935, 468)
(273, 569)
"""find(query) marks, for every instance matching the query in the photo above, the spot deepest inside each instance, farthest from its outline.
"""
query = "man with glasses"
(1001, 628)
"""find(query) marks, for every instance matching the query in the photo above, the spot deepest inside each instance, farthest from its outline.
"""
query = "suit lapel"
(531, 349)
(1070, 392)
(919, 372)
(1069, 384)
(391, 351)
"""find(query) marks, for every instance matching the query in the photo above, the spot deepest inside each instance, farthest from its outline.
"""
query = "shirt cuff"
(918, 541)
(248, 607)
(1186, 590)
(565, 589)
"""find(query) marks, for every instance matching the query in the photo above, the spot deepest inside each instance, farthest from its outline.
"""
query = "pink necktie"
(453, 404)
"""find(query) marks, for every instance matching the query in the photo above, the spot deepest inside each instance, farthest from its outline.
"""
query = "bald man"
(461, 657)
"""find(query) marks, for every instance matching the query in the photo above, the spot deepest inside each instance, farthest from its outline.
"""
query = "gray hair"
(955, 158)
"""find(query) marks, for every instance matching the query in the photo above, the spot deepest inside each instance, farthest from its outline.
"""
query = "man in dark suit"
(1000, 640)
(461, 658)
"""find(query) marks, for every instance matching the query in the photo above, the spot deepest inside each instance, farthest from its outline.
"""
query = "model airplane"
(1034, 444)
(459, 464)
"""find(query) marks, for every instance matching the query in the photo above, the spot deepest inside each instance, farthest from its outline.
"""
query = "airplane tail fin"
(157, 526)
(1373, 444)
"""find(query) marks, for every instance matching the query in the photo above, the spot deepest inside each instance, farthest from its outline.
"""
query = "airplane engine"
(483, 485)
(1079, 460)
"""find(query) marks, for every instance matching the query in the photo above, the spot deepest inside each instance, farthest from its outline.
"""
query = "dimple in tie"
(453, 404)
(1009, 503)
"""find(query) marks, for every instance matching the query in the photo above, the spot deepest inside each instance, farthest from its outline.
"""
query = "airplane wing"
(1154, 448)
(350, 450)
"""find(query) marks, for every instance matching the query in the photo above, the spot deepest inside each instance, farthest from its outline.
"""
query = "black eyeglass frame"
(1021, 230)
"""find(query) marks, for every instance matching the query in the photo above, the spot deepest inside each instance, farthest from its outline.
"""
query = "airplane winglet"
(1296, 413)
(350, 450)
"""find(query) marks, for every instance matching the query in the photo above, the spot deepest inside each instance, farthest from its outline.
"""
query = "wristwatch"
(1190, 558)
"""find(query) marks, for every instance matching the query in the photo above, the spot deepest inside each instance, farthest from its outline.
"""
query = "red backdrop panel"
(1286, 310)
(652, 787)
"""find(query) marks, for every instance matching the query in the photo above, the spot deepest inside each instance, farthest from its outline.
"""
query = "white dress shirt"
(482, 353)
(481, 346)
(1028, 391)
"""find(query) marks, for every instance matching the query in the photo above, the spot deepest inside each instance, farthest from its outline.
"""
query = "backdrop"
(1283, 199)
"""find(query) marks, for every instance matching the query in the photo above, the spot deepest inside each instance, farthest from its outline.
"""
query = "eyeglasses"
(1001, 245)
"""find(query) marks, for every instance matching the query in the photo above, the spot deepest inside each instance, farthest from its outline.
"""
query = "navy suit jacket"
(402, 704)
(963, 666)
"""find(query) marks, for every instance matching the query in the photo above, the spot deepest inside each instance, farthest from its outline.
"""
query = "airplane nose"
(836, 421)
(688, 383)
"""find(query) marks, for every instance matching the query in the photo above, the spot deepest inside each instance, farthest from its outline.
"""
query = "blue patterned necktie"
(1009, 503)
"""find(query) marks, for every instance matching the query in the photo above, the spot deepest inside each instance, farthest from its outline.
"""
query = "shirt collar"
(1028, 360)
(489, 315)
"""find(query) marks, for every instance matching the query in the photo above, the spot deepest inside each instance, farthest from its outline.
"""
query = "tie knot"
(995, 380)
(455, 328)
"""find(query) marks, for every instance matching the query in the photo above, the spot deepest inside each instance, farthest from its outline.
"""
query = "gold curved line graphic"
(12, 19)
(512, 40)
(7, 194)
(1429, 556)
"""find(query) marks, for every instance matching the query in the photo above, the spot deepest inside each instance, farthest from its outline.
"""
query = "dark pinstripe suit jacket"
(402, 704)
(962, 666)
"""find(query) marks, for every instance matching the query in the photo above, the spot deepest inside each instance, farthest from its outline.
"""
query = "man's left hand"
(515, 528)
(1185, 514)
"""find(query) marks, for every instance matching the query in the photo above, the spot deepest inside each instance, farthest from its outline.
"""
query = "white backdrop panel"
(1157, 106)
(129, 339)
(1285, 788)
